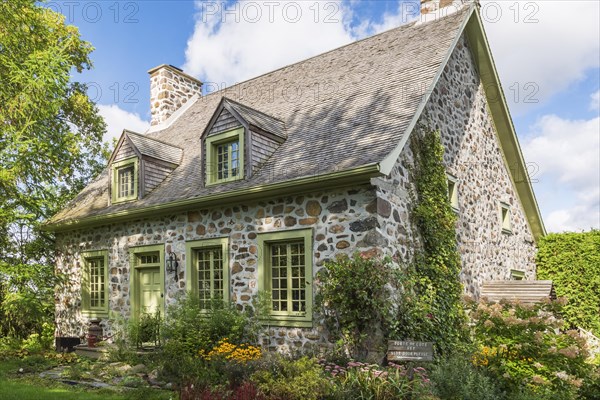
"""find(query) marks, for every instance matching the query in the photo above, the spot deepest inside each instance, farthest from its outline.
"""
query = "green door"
(149, 290)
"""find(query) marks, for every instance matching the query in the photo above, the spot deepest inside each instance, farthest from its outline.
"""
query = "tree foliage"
(572, 261)
(50, 142)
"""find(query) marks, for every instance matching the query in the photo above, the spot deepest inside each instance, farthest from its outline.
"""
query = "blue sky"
(547, 54)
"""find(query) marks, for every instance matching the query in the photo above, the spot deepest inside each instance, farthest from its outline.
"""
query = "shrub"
(355, 298)
(370, 381)
(189, 331)
(572, 261)
(523, 348)
(198, 329)
(456, 378)
(145, 330)
(301, 379)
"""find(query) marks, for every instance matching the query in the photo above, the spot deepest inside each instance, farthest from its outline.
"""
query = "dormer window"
(225, 156)
(139, 164)
(238, 141)
(125, 180)
(228, 155)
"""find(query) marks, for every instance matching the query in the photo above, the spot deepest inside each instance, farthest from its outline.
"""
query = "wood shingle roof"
(341, 110)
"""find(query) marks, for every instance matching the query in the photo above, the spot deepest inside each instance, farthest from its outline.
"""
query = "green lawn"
(14, 386)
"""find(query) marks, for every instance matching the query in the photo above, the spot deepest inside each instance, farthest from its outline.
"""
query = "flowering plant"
(240, 354)
(524, 347)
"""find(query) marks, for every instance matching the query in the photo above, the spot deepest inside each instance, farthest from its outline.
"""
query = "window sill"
(124, 200)
(287, 322)
(223, 181)
(95, 314)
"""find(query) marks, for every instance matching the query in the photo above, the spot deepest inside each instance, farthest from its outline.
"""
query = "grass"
(15, 386)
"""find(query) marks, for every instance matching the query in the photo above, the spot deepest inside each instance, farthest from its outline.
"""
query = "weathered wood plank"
(523, 291)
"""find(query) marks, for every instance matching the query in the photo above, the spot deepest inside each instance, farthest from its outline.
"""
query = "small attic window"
(505, 218)
(453, 192)
(125, 180)
(225, 157)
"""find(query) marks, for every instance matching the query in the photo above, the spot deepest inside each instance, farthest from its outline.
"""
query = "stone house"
(255, 186)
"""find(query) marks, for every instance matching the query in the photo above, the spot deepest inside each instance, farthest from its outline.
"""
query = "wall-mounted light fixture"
(172, 265)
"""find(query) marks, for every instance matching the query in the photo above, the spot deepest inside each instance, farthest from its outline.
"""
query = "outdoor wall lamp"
(172, 265)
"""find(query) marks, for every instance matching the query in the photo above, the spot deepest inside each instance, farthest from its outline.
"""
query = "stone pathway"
(132, 377)
(57, 374)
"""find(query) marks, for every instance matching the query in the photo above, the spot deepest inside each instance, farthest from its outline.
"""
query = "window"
(517, 274)
(147, 280)
(94, 285)
(125, 180)
(207, 270)
(505, 218)
(225, 156)
(453, 192)
(285, 271)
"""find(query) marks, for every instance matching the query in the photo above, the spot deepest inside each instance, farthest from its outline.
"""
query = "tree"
(50, 144)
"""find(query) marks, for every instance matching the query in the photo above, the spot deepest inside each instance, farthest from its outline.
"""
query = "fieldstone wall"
(342, 221)
(170, 88)
(458, 110)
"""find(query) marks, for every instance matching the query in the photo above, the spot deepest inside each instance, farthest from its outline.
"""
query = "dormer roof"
(148, 147)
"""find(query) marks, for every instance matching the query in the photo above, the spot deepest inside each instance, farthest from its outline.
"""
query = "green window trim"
(94, 284)
(119, 167)
(505, 218)
(193, 250)
(219, 143)
(453, 192)
(517, 274)
(135, 254)
(266, 241)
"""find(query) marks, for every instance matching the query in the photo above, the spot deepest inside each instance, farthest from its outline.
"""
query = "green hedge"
(572, 261)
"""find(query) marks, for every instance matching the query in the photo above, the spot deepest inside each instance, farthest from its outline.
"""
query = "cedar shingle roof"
(258, 119)
(155, 148)
(343, 109)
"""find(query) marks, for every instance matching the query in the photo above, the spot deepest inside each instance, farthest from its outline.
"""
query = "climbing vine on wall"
(362, 298)
(431, 307)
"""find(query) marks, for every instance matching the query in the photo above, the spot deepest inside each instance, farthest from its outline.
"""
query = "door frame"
(134, 277)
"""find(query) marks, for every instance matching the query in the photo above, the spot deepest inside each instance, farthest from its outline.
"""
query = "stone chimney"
(432, 9)
(170, 88)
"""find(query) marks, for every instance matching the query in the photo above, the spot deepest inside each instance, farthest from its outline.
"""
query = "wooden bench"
(526, 292)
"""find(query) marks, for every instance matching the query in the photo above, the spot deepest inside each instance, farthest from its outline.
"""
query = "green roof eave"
(503, 123)
(314, 182)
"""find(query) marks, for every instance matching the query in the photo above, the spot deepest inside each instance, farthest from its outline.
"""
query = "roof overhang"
(333, 180)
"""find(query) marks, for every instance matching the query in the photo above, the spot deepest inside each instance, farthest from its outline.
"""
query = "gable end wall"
(125, 151)
(226, 121)
(458, 109)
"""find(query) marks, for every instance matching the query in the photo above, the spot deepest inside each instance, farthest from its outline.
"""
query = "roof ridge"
(225, 98)
(397, 28)
(151, 138)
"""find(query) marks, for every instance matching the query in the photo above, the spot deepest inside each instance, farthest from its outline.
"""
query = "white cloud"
(256, 37)
(568, 152)
(595, 101)
(550, 44)
(245, 39)
(118, 119)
